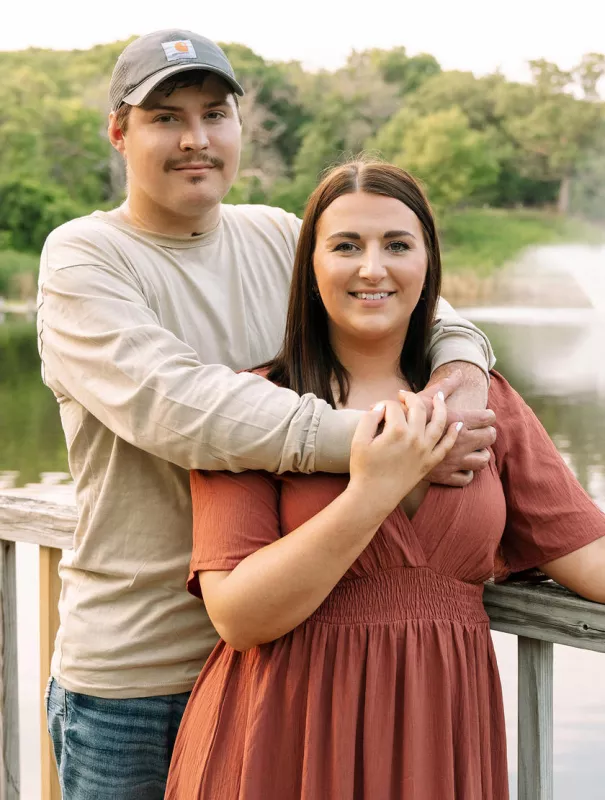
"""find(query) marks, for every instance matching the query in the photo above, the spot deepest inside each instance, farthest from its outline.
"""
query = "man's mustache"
(175, 163)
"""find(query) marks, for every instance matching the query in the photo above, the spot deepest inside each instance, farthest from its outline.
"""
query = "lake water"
(553, 356)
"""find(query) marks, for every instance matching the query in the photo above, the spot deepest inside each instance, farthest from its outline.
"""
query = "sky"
(476, 35)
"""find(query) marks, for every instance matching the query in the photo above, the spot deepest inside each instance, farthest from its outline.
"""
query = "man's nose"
(194, 137)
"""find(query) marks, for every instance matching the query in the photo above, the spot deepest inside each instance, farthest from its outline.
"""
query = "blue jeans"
(112, 749)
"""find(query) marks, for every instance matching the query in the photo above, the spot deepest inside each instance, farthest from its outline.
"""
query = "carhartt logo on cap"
(176, 51)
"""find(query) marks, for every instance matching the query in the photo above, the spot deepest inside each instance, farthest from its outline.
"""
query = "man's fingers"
(475, 461)
(478, 439)
(445, 477)
(475, 419)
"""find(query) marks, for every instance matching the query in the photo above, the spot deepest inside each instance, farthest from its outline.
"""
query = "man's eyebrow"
(344, 235)
(215, 103)
(164, 107)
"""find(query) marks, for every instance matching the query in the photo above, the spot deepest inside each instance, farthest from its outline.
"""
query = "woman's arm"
(582, 571)
(277, 587)
(551, 522)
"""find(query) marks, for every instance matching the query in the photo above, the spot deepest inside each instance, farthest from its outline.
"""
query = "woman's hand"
(386, 465)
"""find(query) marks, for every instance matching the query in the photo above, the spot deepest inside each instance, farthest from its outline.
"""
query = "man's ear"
(115, 133)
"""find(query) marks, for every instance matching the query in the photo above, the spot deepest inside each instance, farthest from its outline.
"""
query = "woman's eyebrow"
(344, 235)
(392, 234)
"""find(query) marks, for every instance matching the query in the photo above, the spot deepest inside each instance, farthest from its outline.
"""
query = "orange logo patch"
(179, 50)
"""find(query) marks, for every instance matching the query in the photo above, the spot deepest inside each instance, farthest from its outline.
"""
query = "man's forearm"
(472, 390)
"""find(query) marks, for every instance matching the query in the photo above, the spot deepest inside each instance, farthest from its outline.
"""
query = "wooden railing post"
(9, 703)
(535, 697)
(50, 589)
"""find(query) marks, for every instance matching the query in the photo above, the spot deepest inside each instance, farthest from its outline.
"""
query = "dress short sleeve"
(233, 516)
(549, 515)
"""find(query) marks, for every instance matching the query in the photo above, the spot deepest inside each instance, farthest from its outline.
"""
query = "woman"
(356, 658)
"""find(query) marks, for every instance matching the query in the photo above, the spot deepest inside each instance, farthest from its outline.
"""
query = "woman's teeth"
(375, 296)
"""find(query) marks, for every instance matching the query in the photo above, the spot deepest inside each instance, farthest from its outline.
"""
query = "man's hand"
(465, 389)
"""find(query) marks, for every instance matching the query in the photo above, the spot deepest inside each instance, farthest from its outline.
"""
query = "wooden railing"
(539, 615)
(23, 308)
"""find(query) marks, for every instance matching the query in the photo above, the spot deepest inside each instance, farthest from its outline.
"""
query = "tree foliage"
(472, 140)
(453, 160)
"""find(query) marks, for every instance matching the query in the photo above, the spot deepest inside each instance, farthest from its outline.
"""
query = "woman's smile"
(372, 299)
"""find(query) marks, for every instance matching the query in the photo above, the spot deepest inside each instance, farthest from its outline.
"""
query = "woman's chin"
(376, 333)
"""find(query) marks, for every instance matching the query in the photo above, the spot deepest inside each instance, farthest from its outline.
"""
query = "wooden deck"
(540, 615)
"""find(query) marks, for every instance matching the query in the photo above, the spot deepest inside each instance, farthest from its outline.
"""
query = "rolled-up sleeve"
(454, 338)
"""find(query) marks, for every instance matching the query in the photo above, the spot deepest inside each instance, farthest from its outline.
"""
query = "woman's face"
(370, 263)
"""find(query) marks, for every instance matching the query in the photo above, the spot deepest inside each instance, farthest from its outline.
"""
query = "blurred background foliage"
(535, 151)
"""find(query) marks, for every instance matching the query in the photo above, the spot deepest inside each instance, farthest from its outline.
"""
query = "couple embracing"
(278, 437)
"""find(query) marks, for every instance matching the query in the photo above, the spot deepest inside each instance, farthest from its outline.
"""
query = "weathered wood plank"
(535, 698)
(50, 590)
(24, 519)
(9, 704)
(548, 612)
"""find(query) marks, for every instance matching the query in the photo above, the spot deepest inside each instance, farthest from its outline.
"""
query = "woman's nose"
(372, 268)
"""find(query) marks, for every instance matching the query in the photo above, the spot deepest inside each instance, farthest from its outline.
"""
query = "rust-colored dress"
(390, 690)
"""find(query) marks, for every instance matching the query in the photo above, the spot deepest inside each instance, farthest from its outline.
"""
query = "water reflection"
(559, 371)
(553, 358)
(31, 439)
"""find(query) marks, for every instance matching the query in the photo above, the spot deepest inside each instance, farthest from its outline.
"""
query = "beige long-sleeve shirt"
(139, 336)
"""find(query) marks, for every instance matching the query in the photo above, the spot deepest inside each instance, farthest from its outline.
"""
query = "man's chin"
(199, 198)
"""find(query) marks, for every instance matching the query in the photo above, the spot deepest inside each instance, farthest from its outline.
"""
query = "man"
(144, 314)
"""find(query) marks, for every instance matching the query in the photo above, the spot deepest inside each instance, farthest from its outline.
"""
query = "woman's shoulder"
(501, 394)
(518, 429)
(265, 371)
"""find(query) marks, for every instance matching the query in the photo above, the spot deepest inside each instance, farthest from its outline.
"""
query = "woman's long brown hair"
(307, 362)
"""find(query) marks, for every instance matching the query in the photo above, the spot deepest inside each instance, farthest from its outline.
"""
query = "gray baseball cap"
(149, 60)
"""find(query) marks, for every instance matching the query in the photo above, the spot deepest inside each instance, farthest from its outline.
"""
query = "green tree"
(589, 73)
(557, 132)
(29, 210)
(47, 137)
(452, 159)
(407, 73)
(548, 77)
(276, 92)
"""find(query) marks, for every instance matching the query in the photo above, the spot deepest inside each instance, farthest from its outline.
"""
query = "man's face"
(182, 150)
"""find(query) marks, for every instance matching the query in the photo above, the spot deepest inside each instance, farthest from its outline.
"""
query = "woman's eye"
(399, 247)
(346, 247)
(165, 118)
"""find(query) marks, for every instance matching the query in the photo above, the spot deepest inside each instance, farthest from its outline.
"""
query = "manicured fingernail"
(459, 426)
(440, 396)
(378, 407)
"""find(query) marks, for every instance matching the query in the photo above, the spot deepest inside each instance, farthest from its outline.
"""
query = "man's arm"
(102, 345)
(461, 356)
(454, 338)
